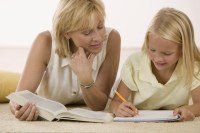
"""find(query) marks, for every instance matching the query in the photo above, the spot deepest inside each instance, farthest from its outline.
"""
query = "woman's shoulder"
(113, 39)
(43, 40)
(113, 34)
(42, 46)
(44, 36)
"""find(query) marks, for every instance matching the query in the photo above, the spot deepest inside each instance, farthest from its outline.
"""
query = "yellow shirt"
(148, 93)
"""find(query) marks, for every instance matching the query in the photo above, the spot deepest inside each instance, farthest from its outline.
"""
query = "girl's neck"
(163, 76)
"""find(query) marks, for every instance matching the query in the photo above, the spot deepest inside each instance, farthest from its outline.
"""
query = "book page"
(40, 102)
(150, 115)
(87, 115)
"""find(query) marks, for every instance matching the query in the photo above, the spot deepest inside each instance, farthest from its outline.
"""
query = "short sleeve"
(195, 81)
(127, 75)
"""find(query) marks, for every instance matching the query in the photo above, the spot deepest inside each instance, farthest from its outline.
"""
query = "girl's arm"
(189, 112)
(35, 67)
(120, 108)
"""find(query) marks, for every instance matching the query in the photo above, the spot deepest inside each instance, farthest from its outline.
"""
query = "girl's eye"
(153, 50)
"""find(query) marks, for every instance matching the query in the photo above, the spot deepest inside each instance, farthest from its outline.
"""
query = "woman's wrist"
(87, 86)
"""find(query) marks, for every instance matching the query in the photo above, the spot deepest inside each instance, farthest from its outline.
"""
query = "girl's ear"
(67, 36)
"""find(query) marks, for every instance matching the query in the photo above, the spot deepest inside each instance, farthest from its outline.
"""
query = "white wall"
(21, 20)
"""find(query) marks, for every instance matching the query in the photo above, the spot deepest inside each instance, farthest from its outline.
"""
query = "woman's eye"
(86, 32)
(167, 53)
(100, 27)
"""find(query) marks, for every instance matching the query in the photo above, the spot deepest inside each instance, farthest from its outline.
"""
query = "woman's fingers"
(91, 58)
(27, 112)
(36, 115)
(31, 114)
(20, 112)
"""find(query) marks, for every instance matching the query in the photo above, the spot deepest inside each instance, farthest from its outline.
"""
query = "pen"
(120, 96)
(124, 100)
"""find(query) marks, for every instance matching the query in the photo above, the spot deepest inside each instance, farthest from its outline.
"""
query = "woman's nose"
(96, 36)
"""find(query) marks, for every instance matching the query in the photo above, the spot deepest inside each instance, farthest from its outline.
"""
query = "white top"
(149, 93)
(60, 83)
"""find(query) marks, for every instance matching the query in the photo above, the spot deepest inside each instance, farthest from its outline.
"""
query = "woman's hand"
(186, 114)
(82, 66)
(28, 112)
(126, 109)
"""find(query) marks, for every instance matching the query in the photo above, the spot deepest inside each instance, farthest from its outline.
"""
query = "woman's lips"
(96, 46)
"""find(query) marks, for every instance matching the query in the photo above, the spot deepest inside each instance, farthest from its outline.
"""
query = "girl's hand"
(28, 112)
(126, 109)
(82, 66)
(186, 114)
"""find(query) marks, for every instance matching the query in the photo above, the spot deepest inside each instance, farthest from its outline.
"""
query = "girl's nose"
(159, 58)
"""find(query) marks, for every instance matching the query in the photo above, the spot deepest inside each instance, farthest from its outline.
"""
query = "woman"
(76, 62)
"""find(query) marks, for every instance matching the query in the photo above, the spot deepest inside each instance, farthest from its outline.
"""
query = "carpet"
(8, 123)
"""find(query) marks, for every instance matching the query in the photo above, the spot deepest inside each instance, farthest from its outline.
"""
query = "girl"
(165, 73)
(76, 62)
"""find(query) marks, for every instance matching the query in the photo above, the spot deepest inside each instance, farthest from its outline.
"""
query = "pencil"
(120, 96)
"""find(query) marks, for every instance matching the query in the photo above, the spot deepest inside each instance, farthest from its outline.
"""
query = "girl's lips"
(160, 64)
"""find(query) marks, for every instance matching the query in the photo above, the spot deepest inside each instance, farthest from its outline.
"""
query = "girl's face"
(91, 40)
(163, 53)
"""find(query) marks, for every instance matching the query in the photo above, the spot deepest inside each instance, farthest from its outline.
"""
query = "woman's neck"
(73, 48)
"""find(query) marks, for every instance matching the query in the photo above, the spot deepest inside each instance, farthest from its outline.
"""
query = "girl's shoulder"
(136, 57)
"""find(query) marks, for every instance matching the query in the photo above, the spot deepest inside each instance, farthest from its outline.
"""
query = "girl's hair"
(174, 25)
(74, 15)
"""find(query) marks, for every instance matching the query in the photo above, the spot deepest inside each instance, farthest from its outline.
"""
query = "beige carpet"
(8, 123)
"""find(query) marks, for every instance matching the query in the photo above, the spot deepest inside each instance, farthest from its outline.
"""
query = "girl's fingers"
(123, 113)
(127, 109)
(133, 109)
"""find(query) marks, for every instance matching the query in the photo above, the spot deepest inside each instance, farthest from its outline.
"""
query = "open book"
(150, 116)
(52, 110)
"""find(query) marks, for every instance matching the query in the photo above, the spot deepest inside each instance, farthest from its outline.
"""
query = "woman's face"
(163, 53)
(91, 40)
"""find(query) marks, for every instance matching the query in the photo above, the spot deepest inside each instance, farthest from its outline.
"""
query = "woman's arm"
(189, 112)
(96, 97)
(35, 67)
(120, 108)
(36, 63)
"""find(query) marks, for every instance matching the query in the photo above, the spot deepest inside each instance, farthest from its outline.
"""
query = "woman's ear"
(67, 36)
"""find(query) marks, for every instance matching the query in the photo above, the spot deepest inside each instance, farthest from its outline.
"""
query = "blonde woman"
(76, 62)
(165, 74)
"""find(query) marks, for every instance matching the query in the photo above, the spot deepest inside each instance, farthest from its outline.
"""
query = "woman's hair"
(74, 15)
(174, 25)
